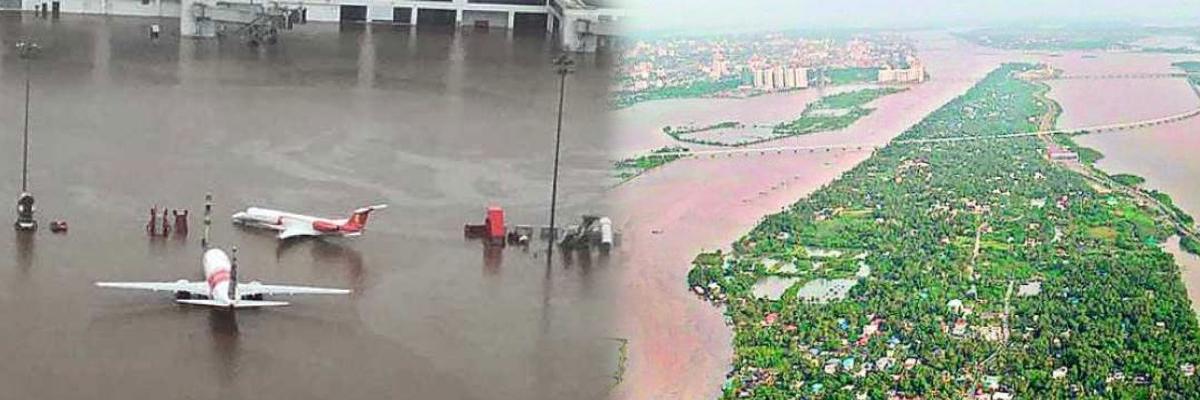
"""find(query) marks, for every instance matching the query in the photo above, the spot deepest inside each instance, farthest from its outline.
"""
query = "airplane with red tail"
(292, 225)
(220, 287)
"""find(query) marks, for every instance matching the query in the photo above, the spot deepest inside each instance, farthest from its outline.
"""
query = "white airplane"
(292, 225)
(220, 287)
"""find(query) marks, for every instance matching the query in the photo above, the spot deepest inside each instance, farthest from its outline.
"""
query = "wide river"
(438, 124)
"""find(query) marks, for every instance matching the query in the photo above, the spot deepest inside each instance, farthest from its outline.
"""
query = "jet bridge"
(255, 23)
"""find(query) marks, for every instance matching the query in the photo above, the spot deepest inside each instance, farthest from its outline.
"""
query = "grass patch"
(631, 167)
(1128, 179)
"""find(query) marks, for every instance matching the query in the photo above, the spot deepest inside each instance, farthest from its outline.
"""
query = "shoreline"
(1119, 150)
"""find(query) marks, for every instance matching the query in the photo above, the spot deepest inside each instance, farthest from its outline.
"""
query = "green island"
(1192, 68)
(833, 112)
(631, 167)
(960, 268)
(829, 113)
(1170, 50)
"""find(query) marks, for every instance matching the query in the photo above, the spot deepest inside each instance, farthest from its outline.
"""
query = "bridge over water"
(1131, 75)
(848, 147)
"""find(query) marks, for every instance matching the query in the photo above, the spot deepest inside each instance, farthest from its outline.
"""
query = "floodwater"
(1164, 155)
(438, 124)
(679, 345)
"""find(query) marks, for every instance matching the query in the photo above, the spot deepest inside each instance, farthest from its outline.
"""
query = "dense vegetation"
(1192, 68)
(700, 88)
(816, 118)
(991, 269)
(844, 76)
(631, 167)
(1128, 179)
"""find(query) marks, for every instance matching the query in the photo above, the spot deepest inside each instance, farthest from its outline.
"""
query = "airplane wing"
(196, 288)
(293, 229)
(237, 304)
(255, 288)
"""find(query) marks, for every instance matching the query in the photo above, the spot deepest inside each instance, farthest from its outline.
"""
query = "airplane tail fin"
(358, 220)
(236, 304)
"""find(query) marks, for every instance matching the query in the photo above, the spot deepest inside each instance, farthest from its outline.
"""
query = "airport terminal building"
(581, 25)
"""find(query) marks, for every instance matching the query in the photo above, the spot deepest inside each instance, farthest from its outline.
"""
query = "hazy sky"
(776, 14)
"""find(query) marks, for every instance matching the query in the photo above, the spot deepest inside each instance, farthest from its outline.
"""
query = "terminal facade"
(580, 25)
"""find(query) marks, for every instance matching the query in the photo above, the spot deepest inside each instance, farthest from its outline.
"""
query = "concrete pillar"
(567, 37)
(187, 23)
(412, 16)
(458, 17)
(512, 20)
(188, 26)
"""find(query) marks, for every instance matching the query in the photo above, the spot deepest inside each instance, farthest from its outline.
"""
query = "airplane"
(220, 287)
(292, 225)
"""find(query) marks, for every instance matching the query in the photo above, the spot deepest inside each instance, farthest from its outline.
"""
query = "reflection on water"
(25, 250)
(493, 257)
(223, 330)
(342, 256)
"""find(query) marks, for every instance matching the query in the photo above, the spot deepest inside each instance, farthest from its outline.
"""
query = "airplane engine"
(258, 297)
(181, 295)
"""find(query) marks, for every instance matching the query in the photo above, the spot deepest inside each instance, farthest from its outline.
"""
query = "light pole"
(26, 50)
(563, 65)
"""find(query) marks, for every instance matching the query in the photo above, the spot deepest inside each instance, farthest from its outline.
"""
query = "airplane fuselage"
(274, 219)
(218, 273)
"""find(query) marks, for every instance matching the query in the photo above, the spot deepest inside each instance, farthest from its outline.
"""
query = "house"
(1059, 373)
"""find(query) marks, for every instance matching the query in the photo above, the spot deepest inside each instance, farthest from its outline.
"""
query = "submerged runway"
(438, 124)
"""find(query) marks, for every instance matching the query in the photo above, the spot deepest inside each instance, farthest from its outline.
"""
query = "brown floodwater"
(439, 124)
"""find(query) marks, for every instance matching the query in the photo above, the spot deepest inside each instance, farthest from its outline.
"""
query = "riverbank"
(1163, 155)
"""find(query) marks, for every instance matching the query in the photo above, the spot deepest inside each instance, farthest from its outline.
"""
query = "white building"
(779, 78)
(760, 78)
(913, 74)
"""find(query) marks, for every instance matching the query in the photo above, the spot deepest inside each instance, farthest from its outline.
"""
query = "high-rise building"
(797, 77)
(759, 77)
(719, 67)
(778, 78)
(789, 78)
